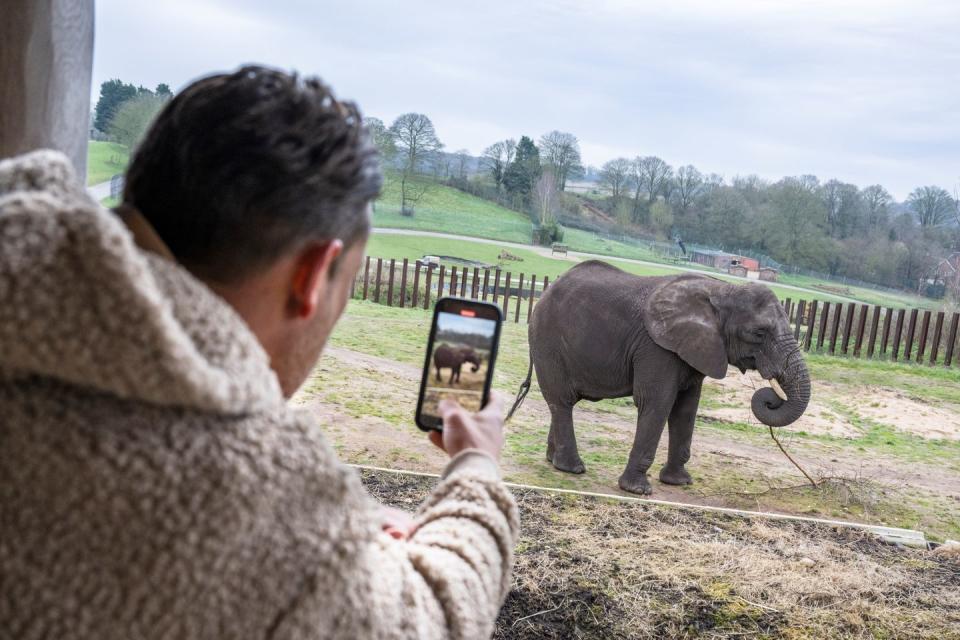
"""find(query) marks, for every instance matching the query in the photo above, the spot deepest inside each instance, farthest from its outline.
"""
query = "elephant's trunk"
(767, 406)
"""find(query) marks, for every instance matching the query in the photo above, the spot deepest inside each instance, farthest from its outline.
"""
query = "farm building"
(738, 270)
(722, 259)
(768, 274)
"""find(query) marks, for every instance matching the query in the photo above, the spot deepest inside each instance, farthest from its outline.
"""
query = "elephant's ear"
(681, 316)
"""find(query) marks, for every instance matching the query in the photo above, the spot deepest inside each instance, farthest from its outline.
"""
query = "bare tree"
(381, 137)
(650, 175)
(463, 158)
(842, 201)
(688, 184)
(497, 157)
(561, 152)
(416, 142)
(615, 176)
(545, 196)
(932, 205)
(876, 201)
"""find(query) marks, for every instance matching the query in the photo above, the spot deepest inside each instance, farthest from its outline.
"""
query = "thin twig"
(807, 475)
(538, 613)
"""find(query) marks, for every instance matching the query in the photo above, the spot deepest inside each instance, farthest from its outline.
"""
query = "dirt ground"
(597, 568)
(902, 412)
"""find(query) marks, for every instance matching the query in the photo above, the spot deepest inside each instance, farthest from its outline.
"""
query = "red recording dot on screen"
(470, 313)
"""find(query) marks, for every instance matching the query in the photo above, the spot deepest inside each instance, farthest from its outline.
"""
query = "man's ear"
(311, 275)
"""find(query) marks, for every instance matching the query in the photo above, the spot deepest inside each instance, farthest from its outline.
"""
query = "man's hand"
(396, 522)
(463, 430)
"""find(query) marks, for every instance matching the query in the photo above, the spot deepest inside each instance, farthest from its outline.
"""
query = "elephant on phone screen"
(445, 356)
(599, 332)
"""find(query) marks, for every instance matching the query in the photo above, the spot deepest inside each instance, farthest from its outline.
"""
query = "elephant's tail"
(522, 392)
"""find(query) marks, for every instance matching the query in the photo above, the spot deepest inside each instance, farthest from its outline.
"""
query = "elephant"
(599, 332)
(447, 356)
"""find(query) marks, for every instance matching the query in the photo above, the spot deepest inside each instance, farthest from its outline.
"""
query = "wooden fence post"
(848, 326)
(822, 333)
(861, 325)
(836, 327)
(801, 306)
(390, 283)
(463, 282)
(473, 285)
(453, 281)
(546, 283)
(911, 331)
(516, 313)
(376, 286)
(366, 277)
(937, 334)
(887, 326)
(496, 285)
(922, 341)
(416, 284)
(506, 298)
(808, 339)
(426, 292)
(874, 324)
(898, 332)
(440, 282)
(533, 292)
(486, 282)
(403, 284)
(951, 339)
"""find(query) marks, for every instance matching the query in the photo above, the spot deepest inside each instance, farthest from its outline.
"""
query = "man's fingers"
(495, 405)
(436, 438)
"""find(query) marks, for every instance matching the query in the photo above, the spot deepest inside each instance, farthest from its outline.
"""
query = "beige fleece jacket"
(153, 482)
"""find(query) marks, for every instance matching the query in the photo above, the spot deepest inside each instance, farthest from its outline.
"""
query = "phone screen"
(460, 358)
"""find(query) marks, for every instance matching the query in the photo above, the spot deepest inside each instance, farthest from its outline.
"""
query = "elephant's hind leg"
(681, 421)
(562, 442)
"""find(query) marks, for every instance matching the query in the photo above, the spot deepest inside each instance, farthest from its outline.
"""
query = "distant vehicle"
(430, 260)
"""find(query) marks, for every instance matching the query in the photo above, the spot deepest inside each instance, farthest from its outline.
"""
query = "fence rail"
(850, 329)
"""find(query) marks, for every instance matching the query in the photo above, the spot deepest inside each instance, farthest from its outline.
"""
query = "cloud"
(863, 91)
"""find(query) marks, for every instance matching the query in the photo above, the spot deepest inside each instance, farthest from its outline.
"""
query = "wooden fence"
(848, 329)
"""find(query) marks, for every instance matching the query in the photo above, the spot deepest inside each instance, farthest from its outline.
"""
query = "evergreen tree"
(522, 173)
(113, 93)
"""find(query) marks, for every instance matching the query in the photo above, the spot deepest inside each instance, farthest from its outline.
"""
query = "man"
(153, 481)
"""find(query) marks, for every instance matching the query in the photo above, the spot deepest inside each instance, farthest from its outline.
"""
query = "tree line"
(829, 226)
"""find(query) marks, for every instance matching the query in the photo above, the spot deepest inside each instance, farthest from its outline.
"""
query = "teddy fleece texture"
(154, 483)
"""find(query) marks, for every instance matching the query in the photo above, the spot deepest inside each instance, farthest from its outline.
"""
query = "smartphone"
(461, 352)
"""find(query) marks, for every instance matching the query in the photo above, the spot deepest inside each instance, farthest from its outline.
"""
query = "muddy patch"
(909, 414)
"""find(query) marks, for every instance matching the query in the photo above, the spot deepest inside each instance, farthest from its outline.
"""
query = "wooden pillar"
(46, 60)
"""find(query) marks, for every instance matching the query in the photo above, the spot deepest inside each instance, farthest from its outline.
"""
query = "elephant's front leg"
(650, 422)
(681, 421)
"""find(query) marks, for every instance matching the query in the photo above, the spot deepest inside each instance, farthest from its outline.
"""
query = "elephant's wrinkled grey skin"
(447, 356)
(599, 332)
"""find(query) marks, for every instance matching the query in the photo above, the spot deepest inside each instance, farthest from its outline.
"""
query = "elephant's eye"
(758, 334)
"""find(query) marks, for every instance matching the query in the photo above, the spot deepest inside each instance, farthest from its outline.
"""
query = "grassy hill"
(443, 208)
(105, 160)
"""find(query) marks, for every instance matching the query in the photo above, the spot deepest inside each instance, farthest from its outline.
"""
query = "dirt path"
(374, 439)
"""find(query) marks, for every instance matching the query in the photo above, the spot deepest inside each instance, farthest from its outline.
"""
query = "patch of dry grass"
(596, 568)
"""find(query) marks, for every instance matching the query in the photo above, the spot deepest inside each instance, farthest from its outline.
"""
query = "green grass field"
(105, 160)
(433, 212)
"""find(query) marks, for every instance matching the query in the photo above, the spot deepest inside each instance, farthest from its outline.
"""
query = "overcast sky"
(867, 91)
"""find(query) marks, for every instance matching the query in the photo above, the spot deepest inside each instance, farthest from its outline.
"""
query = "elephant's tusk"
(778, 389)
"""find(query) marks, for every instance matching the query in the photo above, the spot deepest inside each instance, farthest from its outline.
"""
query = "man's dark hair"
(240, 168)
